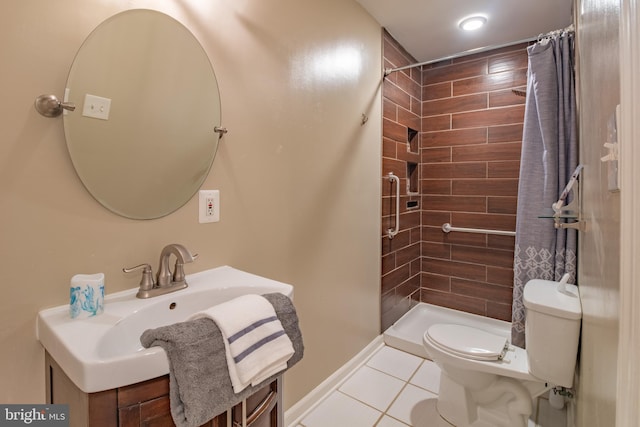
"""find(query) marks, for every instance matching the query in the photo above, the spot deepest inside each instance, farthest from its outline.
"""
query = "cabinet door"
(95, 409)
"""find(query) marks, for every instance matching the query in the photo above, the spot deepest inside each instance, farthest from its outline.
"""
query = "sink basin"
(104, 352)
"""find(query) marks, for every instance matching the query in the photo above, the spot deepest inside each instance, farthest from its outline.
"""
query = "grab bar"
(446, 227)
(393, 231)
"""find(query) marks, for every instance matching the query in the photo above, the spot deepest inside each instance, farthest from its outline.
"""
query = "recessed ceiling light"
(472, 23)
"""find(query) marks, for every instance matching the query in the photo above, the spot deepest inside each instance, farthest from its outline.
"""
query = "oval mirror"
(142, 136)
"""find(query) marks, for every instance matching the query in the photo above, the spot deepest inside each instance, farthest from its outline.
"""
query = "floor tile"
(395, 362)
(414, 406)
(372, 387)
(397, 389)
(427, 377)
(341, 410)
(387, 421)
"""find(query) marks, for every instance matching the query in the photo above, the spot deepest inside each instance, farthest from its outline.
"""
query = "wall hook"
(50, 106)
(365, 119)
(220, 131)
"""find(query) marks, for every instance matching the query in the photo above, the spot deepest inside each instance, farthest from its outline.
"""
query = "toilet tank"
(552, 330)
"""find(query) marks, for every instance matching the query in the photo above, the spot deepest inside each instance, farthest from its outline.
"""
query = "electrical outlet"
(209, 206)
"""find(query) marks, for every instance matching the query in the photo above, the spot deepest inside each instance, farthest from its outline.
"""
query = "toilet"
(486, 381)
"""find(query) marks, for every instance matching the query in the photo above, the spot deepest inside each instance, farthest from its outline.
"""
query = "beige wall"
(298, 174)
(599, 252)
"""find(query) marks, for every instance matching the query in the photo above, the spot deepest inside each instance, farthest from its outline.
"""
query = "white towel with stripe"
(256, 344)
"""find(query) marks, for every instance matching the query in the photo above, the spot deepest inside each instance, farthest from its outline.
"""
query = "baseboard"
(300, 409)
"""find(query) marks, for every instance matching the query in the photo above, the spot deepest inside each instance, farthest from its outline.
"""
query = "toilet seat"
(467, 342)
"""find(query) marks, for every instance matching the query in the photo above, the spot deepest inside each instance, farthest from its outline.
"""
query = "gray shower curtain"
(549, 157)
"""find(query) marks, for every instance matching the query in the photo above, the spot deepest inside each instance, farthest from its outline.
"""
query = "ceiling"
(428, 29)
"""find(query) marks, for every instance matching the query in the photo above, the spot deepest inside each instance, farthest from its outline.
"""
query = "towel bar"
(446, 227)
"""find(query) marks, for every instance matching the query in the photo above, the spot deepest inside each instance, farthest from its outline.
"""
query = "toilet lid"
(467, 341)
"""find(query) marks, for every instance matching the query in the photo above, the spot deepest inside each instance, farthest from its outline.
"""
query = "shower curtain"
(549, 157)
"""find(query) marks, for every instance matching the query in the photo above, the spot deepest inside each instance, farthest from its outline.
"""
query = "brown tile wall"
(470, 132)
(470, 161)
(402, 110)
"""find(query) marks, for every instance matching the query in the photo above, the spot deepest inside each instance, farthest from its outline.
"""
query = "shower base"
(406, 334)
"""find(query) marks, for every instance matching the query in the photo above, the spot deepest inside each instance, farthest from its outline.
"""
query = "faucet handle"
(147, 282)
(178, 271)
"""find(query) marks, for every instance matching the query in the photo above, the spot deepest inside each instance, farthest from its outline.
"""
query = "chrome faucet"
(166, 281)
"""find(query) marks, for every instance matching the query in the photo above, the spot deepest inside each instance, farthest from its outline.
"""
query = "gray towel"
(199, 383)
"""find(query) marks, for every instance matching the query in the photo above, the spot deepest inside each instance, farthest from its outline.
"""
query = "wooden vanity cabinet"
(147, 404)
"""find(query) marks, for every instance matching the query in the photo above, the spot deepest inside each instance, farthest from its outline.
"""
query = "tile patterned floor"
(396, 389)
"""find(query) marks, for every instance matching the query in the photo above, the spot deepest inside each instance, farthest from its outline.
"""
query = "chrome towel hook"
(50, 106)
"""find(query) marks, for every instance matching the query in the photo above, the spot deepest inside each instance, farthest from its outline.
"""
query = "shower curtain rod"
(388, 71)
(458, 55)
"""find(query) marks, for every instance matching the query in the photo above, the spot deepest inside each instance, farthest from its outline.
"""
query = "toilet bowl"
(486, 381)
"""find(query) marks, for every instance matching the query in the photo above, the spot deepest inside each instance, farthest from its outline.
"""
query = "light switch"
(96, 107)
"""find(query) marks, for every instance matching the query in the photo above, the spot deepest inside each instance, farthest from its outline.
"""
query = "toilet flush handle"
(562, 284)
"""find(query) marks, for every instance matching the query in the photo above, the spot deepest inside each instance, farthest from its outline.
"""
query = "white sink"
(104, 352)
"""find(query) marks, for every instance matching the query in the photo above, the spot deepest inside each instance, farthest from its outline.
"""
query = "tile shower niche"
(412, 167)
